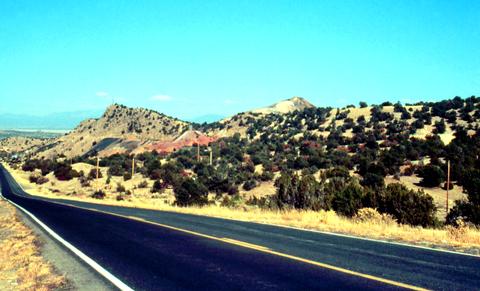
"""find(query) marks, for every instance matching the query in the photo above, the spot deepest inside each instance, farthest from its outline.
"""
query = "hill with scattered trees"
(120, 129)
(316, 158)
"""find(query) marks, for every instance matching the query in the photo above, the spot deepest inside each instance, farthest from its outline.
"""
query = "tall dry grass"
(21, 264)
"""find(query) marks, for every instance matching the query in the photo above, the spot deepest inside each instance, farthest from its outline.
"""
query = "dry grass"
(21, 265)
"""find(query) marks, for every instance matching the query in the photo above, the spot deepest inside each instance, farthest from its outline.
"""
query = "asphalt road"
(152, 257)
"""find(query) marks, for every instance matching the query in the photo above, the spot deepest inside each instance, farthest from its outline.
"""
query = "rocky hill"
(119, 129)
(286, 106)
(241, 122)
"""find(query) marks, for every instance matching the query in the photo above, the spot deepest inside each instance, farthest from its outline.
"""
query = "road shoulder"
(79, 275)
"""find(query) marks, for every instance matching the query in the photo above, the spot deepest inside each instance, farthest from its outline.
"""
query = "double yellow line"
(259, 248)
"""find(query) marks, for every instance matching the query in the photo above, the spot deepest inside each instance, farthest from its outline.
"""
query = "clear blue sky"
(222, 57)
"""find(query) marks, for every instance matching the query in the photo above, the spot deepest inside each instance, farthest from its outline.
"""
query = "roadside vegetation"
(321, 167)
(21, 264)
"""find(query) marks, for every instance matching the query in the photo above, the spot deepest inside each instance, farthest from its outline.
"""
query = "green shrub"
(116, 170)
(337, 172)
(143, 184)
(464, 210)
(64, 172)
(440, 127)
(98, 194)
(232, 190)
(120, 188)
(349, 200)
(38, 179)
(157, 187)
(408, 206)
(266, 176)
(373, 180)
(84, 182)
(300, 193)
(468, 211)
(190, 192)
(432, 175)
(249, 185)
(93, 174)
(127, 176)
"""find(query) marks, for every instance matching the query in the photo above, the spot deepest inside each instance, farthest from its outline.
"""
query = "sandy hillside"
(20, 144)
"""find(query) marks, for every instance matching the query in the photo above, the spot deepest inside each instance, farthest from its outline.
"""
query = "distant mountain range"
(62, 120)
(208, 118)
(69, 120)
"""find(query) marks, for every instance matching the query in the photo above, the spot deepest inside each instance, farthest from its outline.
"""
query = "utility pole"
(211, 155)
(448, 185)
(198, 152)
(133, 172)
(133, 167)
(98, 164)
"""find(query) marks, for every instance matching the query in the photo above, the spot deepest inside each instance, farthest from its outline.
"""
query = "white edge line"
(114, 280)
(290, 227)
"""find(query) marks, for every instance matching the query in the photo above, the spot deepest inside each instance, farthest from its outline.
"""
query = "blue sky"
(191, 58)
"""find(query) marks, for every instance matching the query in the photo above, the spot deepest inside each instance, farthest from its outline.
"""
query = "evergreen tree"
(190, 192)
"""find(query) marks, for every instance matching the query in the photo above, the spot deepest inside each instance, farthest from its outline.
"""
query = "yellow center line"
(244, 244)
(259, 248)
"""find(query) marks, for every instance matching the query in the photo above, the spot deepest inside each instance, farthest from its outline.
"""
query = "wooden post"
(448, 185)
(211, 156)
(133, 173)
(133, 167)
(98, 164)
(198, 152)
